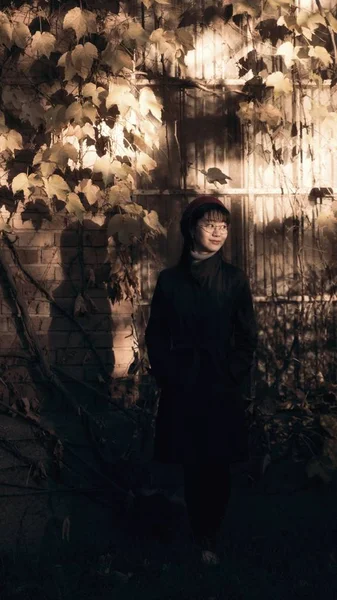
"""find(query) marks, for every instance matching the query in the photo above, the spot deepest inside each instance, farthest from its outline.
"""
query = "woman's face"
(210, 232)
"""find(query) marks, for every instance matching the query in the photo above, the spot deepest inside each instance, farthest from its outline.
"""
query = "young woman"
(201, 338)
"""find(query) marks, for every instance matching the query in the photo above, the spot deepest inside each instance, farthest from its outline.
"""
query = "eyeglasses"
(212, 227)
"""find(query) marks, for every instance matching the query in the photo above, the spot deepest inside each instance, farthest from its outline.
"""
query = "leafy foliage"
(76, 93)
(89, 102)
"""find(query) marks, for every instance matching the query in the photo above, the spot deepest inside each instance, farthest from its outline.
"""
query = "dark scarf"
(208, 273)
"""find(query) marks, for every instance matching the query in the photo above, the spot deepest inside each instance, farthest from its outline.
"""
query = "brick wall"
(50, 254)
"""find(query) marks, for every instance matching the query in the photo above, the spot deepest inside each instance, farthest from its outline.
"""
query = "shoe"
(209, 558)
(208, 546)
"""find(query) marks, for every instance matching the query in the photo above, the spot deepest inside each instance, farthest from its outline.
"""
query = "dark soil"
(279, 541)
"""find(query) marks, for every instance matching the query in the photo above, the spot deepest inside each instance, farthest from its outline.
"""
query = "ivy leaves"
(79, 61)
(10, 139)
(43, 44)
(83, 22)
(127, 227)
(99, 118)
(5, 31)
(20, 35)
(91, 107)
(117, 59)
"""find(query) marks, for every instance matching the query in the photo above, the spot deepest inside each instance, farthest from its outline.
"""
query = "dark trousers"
(207, 490)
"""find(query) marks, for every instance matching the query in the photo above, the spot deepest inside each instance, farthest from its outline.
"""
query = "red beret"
(199, 201)
(192, 206)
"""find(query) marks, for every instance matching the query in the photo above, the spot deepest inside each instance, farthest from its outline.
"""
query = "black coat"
(200, 352)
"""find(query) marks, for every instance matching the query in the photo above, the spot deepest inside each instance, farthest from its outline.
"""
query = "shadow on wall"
(82, 292)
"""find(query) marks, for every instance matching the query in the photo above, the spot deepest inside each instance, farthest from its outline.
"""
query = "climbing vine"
(77, 95)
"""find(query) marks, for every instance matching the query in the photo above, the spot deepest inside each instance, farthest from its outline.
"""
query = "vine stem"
(44, 492)
(319, 6)
(40, 287)
(52, 435)
(28, 357)
(33, 341)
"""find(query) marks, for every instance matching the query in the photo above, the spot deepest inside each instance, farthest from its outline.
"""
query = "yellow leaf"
(110, 168)
(79, 113)
(103, 165)
(12, 97)
(47, 168)
(148, 3)
(136, 32)
(21, 35)
(74, 112)
(82, 58)
(144, 163)
(81, 132)
(150, 133)
(75, 206)
(307, 33)
(139, 142)
(314, 20)
(126, 228)
(121, 170)
(43, 44)
(301, 18)
(3, 128)
(117, 59)
(121, 96)
(79, 309)
(22, 183)
(35, 180)
(14, 140)
(280, 83)
(287, 50)
(149, 103)
(246, 6)
(34, 113)
(332, 21)
(82, 22)
(66, 62)
(4, 226)
(5, 31)
(126, 102)
(59, 154)
(89, 112)
(165, 40)
(90, 190)
(131, 208)
(247, 111)
(290, 22)
(185, 39)
(38, 156)
(56, 186)
(119, 194)
(321, 53)
(152, 220)
(270, 114)
(55, 118)
(309, 20)
(70, 151)
(3, 143)
(91, 91)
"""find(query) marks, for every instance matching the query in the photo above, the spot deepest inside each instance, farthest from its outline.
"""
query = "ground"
(279, 541)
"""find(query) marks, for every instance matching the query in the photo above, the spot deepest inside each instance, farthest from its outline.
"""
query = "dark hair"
(187, 225)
